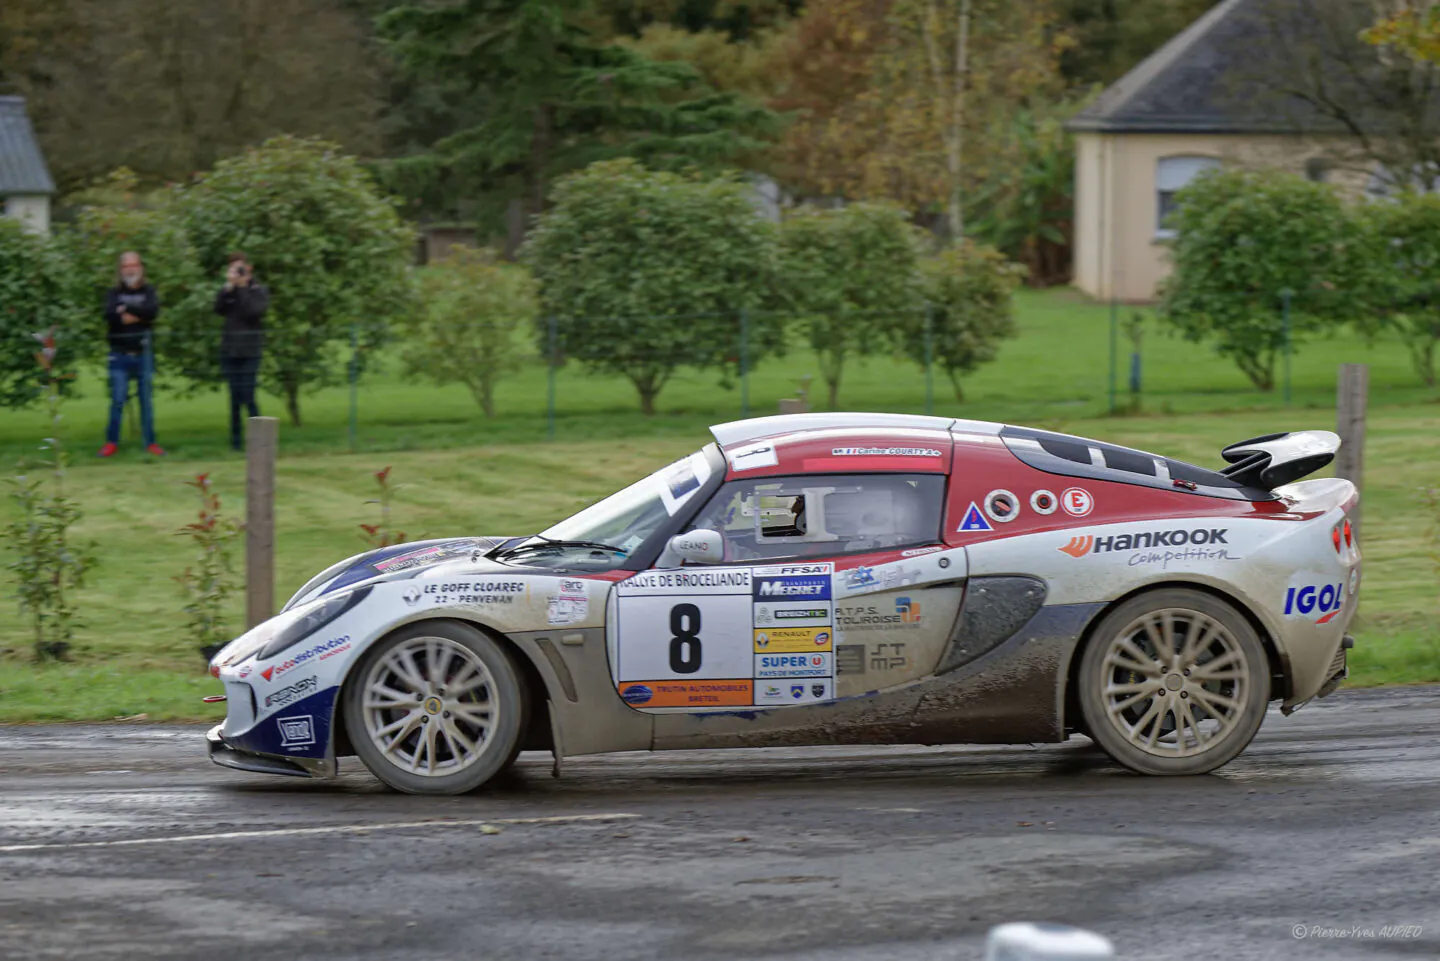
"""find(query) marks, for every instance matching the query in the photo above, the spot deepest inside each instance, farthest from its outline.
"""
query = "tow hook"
(213, 698)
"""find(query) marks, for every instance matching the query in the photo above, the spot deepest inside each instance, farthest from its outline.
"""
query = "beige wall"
(33, 211)
(1118, 251)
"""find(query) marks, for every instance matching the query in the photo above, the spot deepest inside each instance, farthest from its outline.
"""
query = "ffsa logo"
(1326, 601)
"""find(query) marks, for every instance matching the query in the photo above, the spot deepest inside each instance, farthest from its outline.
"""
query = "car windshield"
(602, 535)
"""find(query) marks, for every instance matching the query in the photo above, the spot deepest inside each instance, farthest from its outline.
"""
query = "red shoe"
(108, 450)
(156, 449)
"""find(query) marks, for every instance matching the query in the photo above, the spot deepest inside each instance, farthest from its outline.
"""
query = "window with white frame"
(1171, 174)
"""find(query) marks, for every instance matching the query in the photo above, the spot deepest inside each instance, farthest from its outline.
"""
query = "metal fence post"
(744, 362)
(929, 358)
(1114, 346)
(553, 330)
(354, 386)
(1285, 296)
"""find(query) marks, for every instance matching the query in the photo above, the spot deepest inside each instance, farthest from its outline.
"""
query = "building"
(1201, 100)
(25, 184)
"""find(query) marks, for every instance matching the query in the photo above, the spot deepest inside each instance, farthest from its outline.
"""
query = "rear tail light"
(1335, 537)
(1349, 536)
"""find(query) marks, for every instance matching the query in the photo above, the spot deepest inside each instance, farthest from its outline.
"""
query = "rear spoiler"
(1274, 460)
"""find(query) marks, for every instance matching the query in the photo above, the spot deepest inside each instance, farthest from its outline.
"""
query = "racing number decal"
(685, 649)
(717, 637)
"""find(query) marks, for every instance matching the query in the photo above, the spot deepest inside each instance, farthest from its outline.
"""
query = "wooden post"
(261, 443)
(1350, 425)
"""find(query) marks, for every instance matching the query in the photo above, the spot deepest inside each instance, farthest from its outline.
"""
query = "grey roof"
(22, 166)
(1225, 73)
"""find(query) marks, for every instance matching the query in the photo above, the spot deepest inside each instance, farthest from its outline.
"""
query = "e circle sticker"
(1077, 501)
(1002, 506)
(1043, 502)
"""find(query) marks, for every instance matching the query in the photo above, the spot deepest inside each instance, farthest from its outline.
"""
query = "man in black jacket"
(242, 302)
(131, 307)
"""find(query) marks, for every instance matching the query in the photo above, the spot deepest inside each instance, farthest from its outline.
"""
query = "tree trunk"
(955, 383)
(957, 122)
(1260, 370)
(948, 89)
(833, 387)
(292, 402)
(514, 227)
(1422, 356)
(647, 385)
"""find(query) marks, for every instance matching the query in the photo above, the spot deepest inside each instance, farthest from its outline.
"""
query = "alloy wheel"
(430, 706)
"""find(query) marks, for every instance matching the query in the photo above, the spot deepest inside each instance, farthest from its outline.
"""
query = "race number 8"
(685, 639)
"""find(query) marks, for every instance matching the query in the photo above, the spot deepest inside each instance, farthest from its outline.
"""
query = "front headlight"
(312, 620)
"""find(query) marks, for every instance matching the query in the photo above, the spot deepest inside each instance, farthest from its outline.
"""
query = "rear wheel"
(1174, 681)
(435, 708)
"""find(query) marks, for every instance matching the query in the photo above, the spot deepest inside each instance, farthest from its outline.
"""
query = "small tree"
(1402, 265)
(384, 534)
(36, 294)
(1243, 238)
(853, 275)
(474, 326)
(210, 581)
(49, 564)
(970, 291)
(332, 249)
(648, 271)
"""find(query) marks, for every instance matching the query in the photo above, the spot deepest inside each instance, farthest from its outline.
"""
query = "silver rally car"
(828, 579)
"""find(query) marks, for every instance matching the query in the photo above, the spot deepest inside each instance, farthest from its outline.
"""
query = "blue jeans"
(123, 369)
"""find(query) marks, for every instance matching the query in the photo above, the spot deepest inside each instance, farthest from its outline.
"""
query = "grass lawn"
(460, 475)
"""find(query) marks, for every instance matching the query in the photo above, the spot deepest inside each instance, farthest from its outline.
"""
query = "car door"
(833, 585)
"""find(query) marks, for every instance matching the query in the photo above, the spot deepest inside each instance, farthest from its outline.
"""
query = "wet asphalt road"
(113, 844)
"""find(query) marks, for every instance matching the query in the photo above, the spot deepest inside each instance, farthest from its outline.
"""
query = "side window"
(818, 514)
(1171, 174)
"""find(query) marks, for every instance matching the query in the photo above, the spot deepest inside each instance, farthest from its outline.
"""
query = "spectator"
(242, 302)
(131, 307)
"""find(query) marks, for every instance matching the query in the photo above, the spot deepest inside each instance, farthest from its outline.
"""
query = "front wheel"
(435, 708)
(1174, 682)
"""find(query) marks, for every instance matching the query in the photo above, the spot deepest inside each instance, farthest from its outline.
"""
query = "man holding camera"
(242, 302)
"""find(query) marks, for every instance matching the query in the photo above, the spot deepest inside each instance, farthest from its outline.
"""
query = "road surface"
(1321, 841)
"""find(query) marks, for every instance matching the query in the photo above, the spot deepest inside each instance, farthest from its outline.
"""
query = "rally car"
(828, 579)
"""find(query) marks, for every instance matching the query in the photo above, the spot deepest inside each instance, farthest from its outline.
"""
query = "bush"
(36, 295)
(331, 248)
(646, 271)
(970, 291)
(852, 273)
(1242, 238)
(50, 564)
(211, 580)
(1402, 261)
(474, 326)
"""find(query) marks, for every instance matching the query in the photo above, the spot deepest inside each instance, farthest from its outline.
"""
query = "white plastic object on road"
(1030, 941)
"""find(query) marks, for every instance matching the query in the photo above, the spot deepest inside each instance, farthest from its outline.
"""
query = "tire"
(1182, 701)
(422, 737)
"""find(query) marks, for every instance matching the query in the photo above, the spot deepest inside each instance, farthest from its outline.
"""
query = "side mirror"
(699, 547)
